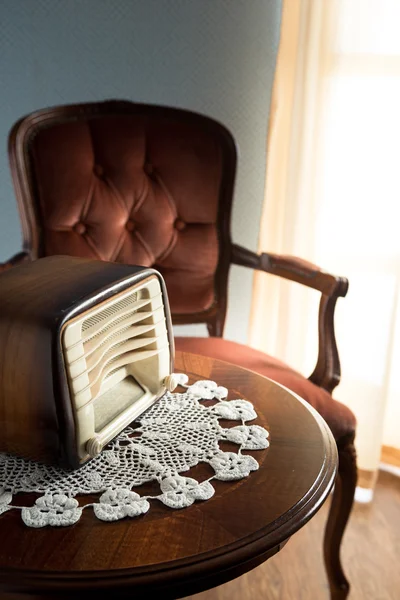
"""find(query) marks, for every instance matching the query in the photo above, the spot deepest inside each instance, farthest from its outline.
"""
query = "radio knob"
(94, 446)
(171, 382)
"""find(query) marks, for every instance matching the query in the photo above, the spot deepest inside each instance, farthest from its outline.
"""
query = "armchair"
(151, 185)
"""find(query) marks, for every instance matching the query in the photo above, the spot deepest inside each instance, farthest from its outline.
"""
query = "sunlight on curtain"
(339, 203)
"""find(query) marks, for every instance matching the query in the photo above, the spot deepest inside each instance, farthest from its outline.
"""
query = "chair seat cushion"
(338, 416)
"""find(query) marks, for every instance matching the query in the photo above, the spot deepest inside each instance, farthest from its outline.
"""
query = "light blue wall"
(212, 56)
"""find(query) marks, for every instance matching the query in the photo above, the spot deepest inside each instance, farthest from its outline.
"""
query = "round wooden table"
(175, 553)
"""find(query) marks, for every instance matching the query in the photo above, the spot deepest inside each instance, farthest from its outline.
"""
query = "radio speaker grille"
(117, 356)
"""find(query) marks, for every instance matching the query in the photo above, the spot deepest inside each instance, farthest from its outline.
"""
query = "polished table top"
(181, 552)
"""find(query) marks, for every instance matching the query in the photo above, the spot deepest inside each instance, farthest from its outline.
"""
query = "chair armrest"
(327, 370)
(14, 261)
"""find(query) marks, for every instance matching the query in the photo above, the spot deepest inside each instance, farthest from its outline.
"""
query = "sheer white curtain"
(333, 196)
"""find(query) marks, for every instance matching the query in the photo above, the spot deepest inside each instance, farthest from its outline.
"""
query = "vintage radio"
(85, 347)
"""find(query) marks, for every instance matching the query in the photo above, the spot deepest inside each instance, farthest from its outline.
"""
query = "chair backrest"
(131, 183)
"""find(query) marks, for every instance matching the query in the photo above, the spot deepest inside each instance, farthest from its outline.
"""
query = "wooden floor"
(371, 556)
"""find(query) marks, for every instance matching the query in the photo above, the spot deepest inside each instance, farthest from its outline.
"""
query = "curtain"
(333, 197)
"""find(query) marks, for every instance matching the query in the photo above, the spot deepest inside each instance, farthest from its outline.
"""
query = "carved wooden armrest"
(14, 261)
(327, 370)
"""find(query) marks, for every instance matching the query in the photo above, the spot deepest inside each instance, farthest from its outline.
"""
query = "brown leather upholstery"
(128, 183)
(118, 189)
(340, 418)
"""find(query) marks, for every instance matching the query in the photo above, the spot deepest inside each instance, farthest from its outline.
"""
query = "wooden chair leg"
(342, 502)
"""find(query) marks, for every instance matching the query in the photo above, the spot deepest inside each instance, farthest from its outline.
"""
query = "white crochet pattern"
(175, 434)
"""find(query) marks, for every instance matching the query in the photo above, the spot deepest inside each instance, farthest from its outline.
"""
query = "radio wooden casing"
(85, 347)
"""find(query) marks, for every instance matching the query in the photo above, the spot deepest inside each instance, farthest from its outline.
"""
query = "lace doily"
(173, 436)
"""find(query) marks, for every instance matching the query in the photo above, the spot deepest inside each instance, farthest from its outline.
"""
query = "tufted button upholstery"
(80, 228)
(148, 168)
(98, 170)
(180, 225)
(156, 169)
(130, 225)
